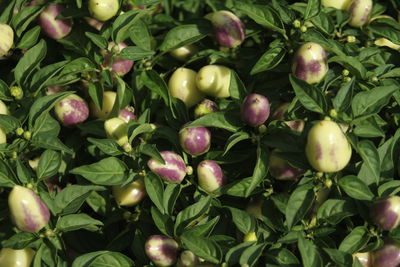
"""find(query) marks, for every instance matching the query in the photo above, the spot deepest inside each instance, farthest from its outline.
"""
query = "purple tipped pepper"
(113, 61)
(174, 169)
(388, 255)
(281, 169)
(52, 27)
(72, 110)
(255, 110)
(195, 141)
(127, 114)
(210, 175)
(205, 107)
(385, 212)
(162, 250)
(228, 28)
(28, 212)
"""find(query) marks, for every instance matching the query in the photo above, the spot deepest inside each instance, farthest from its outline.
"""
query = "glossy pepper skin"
(210, 176)
(338, 4)
(182, 85)
(360, 11)
(7, 39)
(71, 110)
(130, 194)
(52, 27)
(255, 110)
(16, 257)
(3, 137)
(174, 169)
(364, 258)
(28, 212)
(103, 10)
(385, 212)
(228, 28)
(195, 140)
(108, 103)
(184, 53)
(388, 255)
(187, 259)
(117, 129)
(327, 148)
(280, 168)
(3, 108)
(214, 80)
(162, 250)
(205, 107)
(114, 62)
(310, 63)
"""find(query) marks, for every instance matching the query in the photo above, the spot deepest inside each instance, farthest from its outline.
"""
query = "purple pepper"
(72, 110)
(174, 169)
(281, 169)
(195, 141)
(385, 212)
(116, 63)
(54, 28)
(228, 28)
(205, 107)
(255, 109)
(388, 255)
(127, 114)
(28, 212)
(162, 250)
(210, 175)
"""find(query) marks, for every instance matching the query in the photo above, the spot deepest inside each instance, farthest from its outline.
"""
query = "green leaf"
(190, 213)
(313, 35)
(204, 229)
(355, 240)
(237, 89)
(260, 170)
(70, 199)
(140, 34)
(97, 39)
(134, 130)
(4, 91)
(75, 222)
(371, 158)
(390, 188)
(263, 15)
(313, 9)
(343, 97)
(96, 93)
(269, 60)
(107, 146)
(103, 259)
(202, 247)
(9, 123)
(23, 174)
(355, 188)
(352, 64)
(233, 255)
(123, 22)
(251, 254)
(152, 80)
(30, 38)
(229, 120)
(386, 28)
(171, 194)
(339, 257)
(300, 202)
(372, 101)
(335, 210)
(49, 163)
(163, 222)
(49, 141)
(151, 151)
(155, 189)
(7, 178)
(310, 96)
(108, 171)
(234, 139)
(185, 34)
(20, 240)
(309, 253)
(135, 53)
(245, 222)
(29, 62)
(24, 17)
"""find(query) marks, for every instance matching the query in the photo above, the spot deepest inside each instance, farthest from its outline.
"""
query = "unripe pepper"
(214, 80)
(281, 169)
(182, 85)
(117, 129)
(184, 53)
(52, 27)
(210, 175)
(388, 255)
(3, 136)
(114, 62)
(327, 148)
(279, 114)
(254, 207)
(34, 163)
(205, 107)
(94, 23)
(71, 110)
(250, 237)
(161, 250)
(228, 28)
(385, 212)
(3, 108)
(16, 257)
(196, 140)
(187, 259)
(255, 110)
(360, 11)
(338, 4)
(28, 212)
(7, 39)
(108, 103)
(103, 10)
(174, 169)
(386, 42)
(131, 194)
(310, 63)
(127, 114)
(364, 258)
